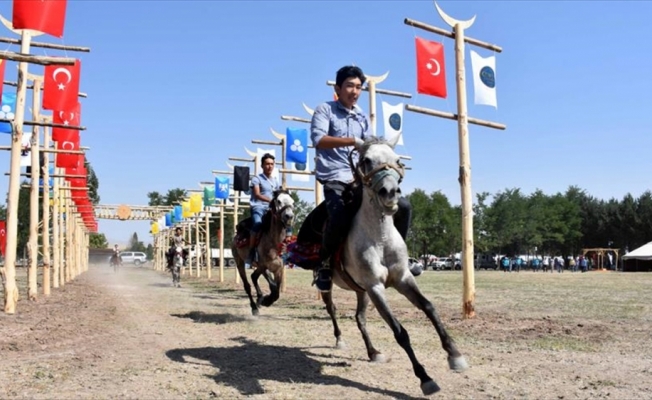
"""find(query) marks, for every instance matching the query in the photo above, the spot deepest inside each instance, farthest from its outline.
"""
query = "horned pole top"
(452, 21)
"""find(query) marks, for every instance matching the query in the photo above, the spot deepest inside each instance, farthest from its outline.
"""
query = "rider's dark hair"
(265, 157)
(349, 71)
(177, 229)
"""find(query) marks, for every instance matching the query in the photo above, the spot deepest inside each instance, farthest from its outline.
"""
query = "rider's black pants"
(340, 218)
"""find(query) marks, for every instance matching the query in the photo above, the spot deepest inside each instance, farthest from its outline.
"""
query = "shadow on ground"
(202, 317)
(244, 366)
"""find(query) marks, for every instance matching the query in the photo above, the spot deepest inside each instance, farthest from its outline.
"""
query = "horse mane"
(370, 141)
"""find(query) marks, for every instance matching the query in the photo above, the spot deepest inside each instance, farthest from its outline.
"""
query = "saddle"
(304, 252)
(243, 232)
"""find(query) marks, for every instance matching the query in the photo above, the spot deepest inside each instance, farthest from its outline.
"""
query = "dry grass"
(535, 336)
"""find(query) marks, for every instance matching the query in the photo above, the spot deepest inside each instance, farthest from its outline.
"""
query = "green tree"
(301, 210)
(92, 182)
(98, 241)
(135, 244)
(156, 199)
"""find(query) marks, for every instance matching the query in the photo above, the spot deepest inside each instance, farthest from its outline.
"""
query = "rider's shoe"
(251, 257)
(324, 277)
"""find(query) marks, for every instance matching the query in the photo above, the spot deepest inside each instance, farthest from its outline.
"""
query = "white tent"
(642, 253)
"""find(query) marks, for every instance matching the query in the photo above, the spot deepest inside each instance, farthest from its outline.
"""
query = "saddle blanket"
(305, 255)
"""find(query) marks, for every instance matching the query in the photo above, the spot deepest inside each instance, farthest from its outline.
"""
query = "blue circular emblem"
(488, 77)
(395, 121)
(300, 166)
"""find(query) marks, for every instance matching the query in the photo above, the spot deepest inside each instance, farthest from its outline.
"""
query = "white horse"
(177, 263)
(375, 257)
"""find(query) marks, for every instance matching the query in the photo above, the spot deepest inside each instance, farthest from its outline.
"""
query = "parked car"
(132, 257)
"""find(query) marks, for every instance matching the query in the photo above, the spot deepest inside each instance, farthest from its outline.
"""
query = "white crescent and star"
(429, 65)
(58, 71)
(64, 144)
(66, 121)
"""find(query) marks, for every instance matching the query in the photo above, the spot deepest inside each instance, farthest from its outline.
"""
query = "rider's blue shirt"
(332, 119)
(267, 188)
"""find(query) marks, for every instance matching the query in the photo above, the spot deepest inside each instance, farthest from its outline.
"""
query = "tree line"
(97, 240)
(506, 222)
(512, 222)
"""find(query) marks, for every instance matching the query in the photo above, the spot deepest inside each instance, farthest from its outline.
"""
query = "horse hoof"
(429, 388)
(340, 344)
(379, 358)
(255, 312)
(458, 363)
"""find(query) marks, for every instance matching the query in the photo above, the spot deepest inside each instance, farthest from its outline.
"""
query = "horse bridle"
(373, 178)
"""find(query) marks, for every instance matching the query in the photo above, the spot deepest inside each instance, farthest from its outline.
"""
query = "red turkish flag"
(47, 16)
(3, 237)
(3, 63)
(71, 117)
(69, 140)
(61, 86)
(431, 73)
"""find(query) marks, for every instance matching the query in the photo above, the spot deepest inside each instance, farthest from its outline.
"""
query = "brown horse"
(269, 264)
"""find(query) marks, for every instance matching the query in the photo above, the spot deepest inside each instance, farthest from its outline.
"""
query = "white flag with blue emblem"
(393, 118)
(296, 145)
(484, 79)
(301, 167)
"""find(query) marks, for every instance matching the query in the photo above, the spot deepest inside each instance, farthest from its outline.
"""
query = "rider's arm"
(319, 128)
(259, 196)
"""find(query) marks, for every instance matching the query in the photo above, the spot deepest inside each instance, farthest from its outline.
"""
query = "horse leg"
(361, 319)
(332, 310)
(247, 286)
(377, 296)
(273, 295)
(410, 290)
(254, 279)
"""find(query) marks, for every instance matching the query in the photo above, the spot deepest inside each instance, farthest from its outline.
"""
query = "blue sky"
(176, 87)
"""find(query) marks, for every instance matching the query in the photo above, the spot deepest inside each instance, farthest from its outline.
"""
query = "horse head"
(380, 171)
(282, 207)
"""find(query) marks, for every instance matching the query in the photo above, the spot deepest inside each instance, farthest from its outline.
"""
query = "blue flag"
(50, 182)
(296, 145)
(178, 213)
(221, 187)
(168, 219)
(7, 110)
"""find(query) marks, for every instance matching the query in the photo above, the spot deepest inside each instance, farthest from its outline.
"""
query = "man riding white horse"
(336, 127)
(177, 241)
(115, 257)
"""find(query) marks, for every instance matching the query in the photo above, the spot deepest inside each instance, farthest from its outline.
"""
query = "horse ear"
(392, 143)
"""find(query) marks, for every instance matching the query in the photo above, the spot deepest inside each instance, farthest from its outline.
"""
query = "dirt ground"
(131, 335)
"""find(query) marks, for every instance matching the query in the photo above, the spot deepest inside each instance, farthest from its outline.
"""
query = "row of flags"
(60, 95)
(431, 73)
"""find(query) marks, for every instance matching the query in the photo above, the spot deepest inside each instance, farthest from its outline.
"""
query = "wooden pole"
(32, 244)
(56, 224)
(45, 232)
(468, 300)
(197, 250)
(11, 290)
(221, 240)
(62, 231)
(465, 178)
(207, 240)
(236, 203)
